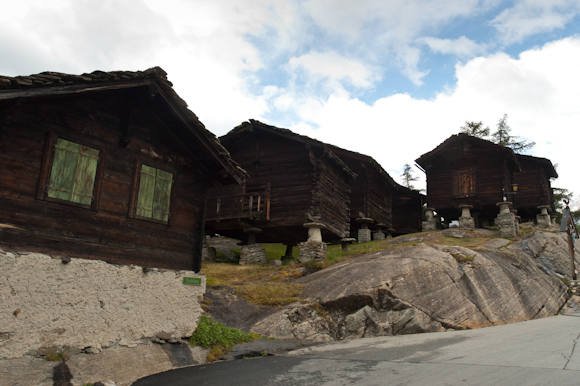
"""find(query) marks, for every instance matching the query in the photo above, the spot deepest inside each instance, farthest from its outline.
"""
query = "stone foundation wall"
(90, 305)
(251, 254)
(312, 250)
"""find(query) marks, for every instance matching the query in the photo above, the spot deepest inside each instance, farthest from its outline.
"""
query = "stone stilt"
(430, 224)
(207, 253)
(506, 220)
(313, 248)
(364, 233)
(466, 221)
(379, 235)
(345, 243)
(390, 233)
(543, 219)
(252, 252)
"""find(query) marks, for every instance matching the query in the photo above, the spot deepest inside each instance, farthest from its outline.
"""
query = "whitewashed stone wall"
(90, 304)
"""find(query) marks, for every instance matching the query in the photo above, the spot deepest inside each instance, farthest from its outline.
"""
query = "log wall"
(303, 182)
(106, 231)
(490, 170)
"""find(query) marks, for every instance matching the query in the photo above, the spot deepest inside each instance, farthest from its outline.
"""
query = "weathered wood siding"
(534, 188)
(488, 169)
(104, 232)
(372, 191)
(302, 182)
(330, 199)
(407, 211)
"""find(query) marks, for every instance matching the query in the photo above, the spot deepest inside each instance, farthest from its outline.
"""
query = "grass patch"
(217, 337)
(278, 251)
(260, 284)
(336, 254)
(461, 258)
(229, 274)
(526, 230)
(470, 242)
(58, 354)
(271, 293)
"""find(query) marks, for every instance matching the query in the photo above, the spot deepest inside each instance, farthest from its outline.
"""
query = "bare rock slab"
(456, 287)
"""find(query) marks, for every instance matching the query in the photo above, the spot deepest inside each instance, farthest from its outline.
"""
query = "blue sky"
(391, 79)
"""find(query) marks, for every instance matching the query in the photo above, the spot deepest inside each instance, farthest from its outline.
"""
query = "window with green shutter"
(154, 193)
(72, 177)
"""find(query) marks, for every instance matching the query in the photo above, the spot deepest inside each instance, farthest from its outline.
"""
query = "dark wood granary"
(293, 180)
(110, 166)
(375, 195)
(534, 186)
(470, 171)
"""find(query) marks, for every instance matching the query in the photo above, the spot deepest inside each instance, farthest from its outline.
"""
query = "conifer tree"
(408, 177)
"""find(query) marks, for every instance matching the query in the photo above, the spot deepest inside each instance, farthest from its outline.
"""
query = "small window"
(72, 177)
(464, 183)
(154, 193)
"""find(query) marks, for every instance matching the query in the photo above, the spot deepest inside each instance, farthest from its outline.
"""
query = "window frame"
(47, 169)
(135, 187)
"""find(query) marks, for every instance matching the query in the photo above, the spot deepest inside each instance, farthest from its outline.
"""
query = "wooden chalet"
(108, 165)
(293, 180)
(377, 196)
(466, 170)
(534, 186)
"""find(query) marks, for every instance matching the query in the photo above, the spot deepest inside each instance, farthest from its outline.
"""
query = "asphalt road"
(537, 352)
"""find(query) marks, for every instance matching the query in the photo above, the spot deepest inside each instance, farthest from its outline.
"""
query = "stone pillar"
(506, 220)
(364, 233)
(543, 219)
(345, 243)
(379, 235)
(313, 248)
(208, 253)
(554, 220)
(430, 224)
(390, 233)
(252, 252)
(466, 221)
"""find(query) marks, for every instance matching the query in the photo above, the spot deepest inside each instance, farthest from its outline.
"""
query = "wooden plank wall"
(380, 195)
(331, 200)
(407, 213)
(302, 183)
(490, 172)
(106, 234)
(534, 189)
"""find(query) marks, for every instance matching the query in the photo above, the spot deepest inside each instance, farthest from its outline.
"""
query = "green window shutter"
(154, 193)
(146, 191)
(85, 176)
(162, 195)
(72, 177)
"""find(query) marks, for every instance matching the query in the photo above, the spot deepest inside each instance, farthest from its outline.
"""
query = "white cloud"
(539, 92)
(461, 47)
(530, 17)
(335, 67)
(388, 29)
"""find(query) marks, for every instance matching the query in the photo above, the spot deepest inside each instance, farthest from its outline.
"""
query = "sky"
(388, 78)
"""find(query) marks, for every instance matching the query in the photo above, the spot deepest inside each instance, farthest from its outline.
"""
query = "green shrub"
(210, 333)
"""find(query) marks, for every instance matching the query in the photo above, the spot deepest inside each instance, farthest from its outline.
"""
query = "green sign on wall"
(192, 280)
